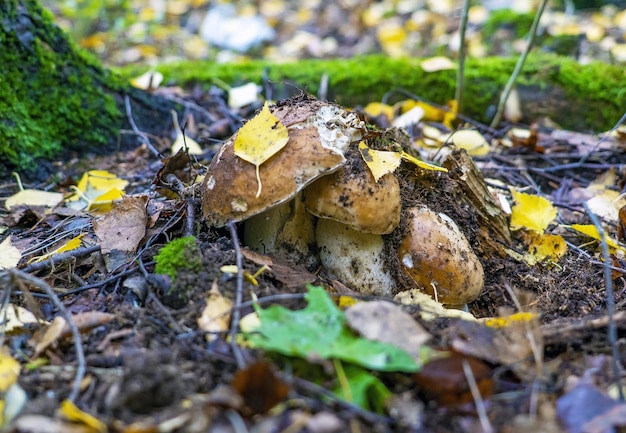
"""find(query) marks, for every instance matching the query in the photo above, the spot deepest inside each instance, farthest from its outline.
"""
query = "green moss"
(589, 97)
(179, 254)
(53, 95)
(518, 23)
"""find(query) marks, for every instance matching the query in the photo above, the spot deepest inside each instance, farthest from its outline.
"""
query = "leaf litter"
(341, 360)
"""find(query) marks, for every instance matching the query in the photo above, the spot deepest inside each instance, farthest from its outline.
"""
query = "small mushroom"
(354, 198)
(438, 258)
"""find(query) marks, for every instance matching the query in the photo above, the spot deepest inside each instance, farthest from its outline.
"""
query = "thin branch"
(60, 258)
(478, 399)
(460, 72)
(238, 297)
(519, 65)
(610, 300)
(18, 276)
(129, 114)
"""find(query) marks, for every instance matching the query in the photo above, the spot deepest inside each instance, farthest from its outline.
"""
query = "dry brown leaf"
(124, 227)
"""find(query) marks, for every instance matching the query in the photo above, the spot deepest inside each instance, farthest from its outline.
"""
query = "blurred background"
(122, 32)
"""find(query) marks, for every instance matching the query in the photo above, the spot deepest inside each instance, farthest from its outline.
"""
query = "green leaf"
(365, 389)
(319, 331)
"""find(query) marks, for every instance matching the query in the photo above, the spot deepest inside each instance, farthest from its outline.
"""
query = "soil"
(152, 364)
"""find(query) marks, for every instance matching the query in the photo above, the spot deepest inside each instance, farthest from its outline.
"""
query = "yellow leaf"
(93, 185)
(70, 412)
(149, 80)
(10, 256)
(435, 64)
(531, 211)
(375, 109)
(450, 116)
(545, 245)
(104, 202)
(183, 141)
(72, 244)
(232, 269)
(591, 231)
(469, 139)
(34, 197)
(502, 322)
(422, 164)
(259, 139)
(9, 370)
(379, 162)
(215, 317)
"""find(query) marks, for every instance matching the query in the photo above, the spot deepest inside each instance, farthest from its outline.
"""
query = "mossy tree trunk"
(55, 98)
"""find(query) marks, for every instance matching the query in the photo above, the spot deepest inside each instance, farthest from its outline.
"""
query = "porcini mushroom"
(354, 211)
(319, 135)
(437, 257)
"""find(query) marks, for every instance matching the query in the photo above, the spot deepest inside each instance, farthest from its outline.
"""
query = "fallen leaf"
(259, 139)
(377, 109)
(319, 332)
(10, 256)
(124, 227)
(363, 388)
(429, 309)
(259, 387)
(18, 316)
(149, 80)
(215, 317)
(95, 186)
(470, 140)
(70, 412)
(388, 323)
(439, 63)
(409, 118)
(422, 164)
(591, 231)
(70, 245)
(9, 370)
(33, 197)
(531, 211)
(378, 161)
(243, 95)
(544, 246)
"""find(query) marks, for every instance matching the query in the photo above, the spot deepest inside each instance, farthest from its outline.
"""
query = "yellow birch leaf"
(531, 211)
(513, 319)
(104, 202)
(260, 139)
(9, 370)
(215, 317)
(544, 245)
(93, 186)
(72, 413)
(33, 197)
(469, 139)
(378, 161)
(591, 231)
(422, 164)
(72, 244)
(376, 109)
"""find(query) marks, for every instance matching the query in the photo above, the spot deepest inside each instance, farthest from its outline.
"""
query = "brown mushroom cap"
(437, 256)
(354, 198)
(319, 134)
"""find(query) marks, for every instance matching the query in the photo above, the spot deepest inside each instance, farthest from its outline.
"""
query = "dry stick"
(610, 301)
(78, 343)
(460, 72)
(129, 114)
(238, 297)
(56, 259)
(478, 399)
(537, 354)
(519, 65)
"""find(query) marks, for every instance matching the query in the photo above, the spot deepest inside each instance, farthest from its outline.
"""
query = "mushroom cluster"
(321, 204)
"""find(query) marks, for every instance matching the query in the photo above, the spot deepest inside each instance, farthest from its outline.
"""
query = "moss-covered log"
(590, 97)
(55, 98)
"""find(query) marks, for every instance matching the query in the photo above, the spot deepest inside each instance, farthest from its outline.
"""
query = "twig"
(129, 114)
(18, 275)
(610, 301)
(519, 65)
(478, 399)
(238, 296)
(60, 258)
(460, 72)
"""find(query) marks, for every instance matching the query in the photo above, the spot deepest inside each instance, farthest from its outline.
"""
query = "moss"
(589, 97)
(53, 96)
(179, 254)
(518, 23)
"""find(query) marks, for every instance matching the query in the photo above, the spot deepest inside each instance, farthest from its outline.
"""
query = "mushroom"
(319, 135)
(354, 211)
(438, 258)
